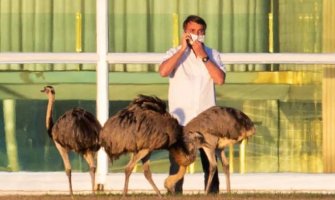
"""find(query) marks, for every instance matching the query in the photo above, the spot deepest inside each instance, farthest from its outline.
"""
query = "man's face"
(194, 28)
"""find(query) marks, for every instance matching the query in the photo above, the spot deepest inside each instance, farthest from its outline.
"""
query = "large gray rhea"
(140, 128)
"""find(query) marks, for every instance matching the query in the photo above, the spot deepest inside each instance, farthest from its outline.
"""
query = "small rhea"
(76, 130)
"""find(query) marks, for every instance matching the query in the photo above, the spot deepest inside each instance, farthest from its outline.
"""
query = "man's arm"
(214, 71)
(167, 67)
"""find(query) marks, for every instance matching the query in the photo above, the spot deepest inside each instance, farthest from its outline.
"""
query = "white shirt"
(191, 89)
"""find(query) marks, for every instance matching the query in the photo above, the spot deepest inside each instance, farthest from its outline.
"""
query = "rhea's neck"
(48, 120)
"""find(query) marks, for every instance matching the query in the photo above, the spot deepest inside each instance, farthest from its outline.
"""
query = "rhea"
(212, 130)
(140, 128)
(76, 130)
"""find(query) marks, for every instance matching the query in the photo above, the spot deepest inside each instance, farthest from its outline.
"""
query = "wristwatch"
(205, 59)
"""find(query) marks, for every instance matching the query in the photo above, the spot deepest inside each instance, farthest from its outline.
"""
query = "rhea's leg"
(67, 165)
(89, 157)
(174, 169)
(225, 166)
(147, 173)
(210, 153)
(214, 187)
(130, 166)
(171, 180)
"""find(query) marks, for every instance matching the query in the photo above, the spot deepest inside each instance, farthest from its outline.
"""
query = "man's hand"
(184, 40)
(199, 49)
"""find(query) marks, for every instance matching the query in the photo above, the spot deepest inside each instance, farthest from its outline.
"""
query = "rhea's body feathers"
(77, 130)
(143, 124)
(224, 123)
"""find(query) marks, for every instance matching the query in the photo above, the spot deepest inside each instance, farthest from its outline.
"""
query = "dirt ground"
(278, 196)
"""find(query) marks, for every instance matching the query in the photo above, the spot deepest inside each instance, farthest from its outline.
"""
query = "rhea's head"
(48, 90)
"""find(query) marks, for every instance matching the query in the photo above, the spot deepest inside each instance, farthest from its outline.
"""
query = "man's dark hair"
(196, 19)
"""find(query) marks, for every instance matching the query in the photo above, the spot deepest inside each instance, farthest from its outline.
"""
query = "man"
(193, 69)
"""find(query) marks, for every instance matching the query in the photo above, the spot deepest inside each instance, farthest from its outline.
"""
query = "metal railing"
(155, 58)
